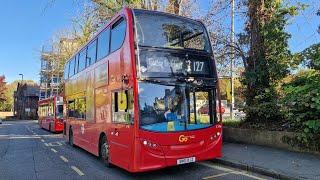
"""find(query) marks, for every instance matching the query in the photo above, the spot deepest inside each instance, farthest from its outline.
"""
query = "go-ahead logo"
(183, 138)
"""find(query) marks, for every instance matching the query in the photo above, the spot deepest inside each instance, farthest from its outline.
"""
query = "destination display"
(153, 63)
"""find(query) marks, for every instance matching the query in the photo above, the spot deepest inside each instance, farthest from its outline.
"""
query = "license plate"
(186, 160)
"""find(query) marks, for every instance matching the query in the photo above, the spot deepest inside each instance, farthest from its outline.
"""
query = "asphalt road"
(28, 152)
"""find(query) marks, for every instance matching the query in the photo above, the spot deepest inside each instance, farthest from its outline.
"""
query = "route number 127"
(198, 66)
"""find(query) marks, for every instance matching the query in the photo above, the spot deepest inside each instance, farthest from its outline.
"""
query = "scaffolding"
(53, 59)
(51, 74)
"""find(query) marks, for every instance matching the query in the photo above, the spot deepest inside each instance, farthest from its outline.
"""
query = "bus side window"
(118, 33)
(92, 53)
(72, 66)
(66, 70)
(71, 108)
(82, 60)
(103, 44)
(122, 106)
(80, 108)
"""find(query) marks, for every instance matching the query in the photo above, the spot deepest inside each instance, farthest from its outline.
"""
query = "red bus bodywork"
(49, 119)
(131, 147)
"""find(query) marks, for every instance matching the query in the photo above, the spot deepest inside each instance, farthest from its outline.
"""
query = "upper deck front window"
(169, 31)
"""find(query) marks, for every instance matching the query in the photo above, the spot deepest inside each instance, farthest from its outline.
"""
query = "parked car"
(205, 109)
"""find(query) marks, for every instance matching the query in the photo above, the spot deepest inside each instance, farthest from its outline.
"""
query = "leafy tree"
(311, 56)
(3, 97)
(10, 88)
(302, 105)
(2, 88)
(268, 58)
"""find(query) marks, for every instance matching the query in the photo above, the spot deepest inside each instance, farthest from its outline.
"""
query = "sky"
(27, 25)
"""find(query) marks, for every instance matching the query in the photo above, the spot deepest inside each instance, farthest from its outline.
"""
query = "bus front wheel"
(104, 151)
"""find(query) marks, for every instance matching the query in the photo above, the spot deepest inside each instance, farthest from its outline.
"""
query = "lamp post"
(21, 77)
(232, 60)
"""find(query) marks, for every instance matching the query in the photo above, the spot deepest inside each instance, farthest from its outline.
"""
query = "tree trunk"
(257, 58)
(261, 98)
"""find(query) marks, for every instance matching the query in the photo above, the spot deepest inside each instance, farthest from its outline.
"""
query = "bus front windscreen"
(169, 108)
(155, 29)
(59, 111)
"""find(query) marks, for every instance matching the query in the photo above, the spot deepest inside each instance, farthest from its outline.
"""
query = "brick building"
(26, 101)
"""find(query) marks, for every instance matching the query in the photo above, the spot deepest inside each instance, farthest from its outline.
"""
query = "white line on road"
(64, 159)
(42, 140)
(215, 167)
(55, 151)
(227, 170)
(247, 174)
(28, 136)
(80, 173)
(46, 144)
(217, 175)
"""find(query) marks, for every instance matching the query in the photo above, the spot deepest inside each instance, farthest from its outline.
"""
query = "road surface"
(28, 152)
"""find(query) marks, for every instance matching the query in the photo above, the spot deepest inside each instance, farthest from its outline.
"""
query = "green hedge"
(302, 103)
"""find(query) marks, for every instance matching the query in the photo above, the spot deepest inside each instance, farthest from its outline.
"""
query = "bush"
(302, 104)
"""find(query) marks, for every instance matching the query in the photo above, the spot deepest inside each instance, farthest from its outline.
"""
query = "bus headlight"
(149, 144)
(215, 136)
(145, 142)
(152, 147)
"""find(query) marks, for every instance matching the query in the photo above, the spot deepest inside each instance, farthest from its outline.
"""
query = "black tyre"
(50, 127)
(71, 137)
(104, 151)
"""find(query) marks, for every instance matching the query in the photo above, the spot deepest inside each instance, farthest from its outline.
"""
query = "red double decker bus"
(142, 93)
(50, 112)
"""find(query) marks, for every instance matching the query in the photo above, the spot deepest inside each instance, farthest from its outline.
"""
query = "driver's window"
(202, 107)
(199, 108)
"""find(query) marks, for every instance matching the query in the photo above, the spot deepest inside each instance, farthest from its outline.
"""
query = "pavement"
(28, 152)
(271, 162)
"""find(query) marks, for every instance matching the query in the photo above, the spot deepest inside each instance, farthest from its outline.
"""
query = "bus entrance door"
(121, 135)
(121, 140)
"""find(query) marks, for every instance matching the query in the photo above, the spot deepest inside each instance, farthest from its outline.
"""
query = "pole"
(232, 60)
(21, 78)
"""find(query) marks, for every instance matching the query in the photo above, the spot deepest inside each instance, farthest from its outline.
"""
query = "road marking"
(248, 175)
(217, 175)
(28, 136)
(55, 143)
(80, 173)
(227, 170)
(46, 144)
(55, 151)
(64, 159)
(216, 167)
(42, 140)
(20, 137)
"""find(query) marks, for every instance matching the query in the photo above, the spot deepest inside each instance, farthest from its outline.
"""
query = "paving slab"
(270, 161)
